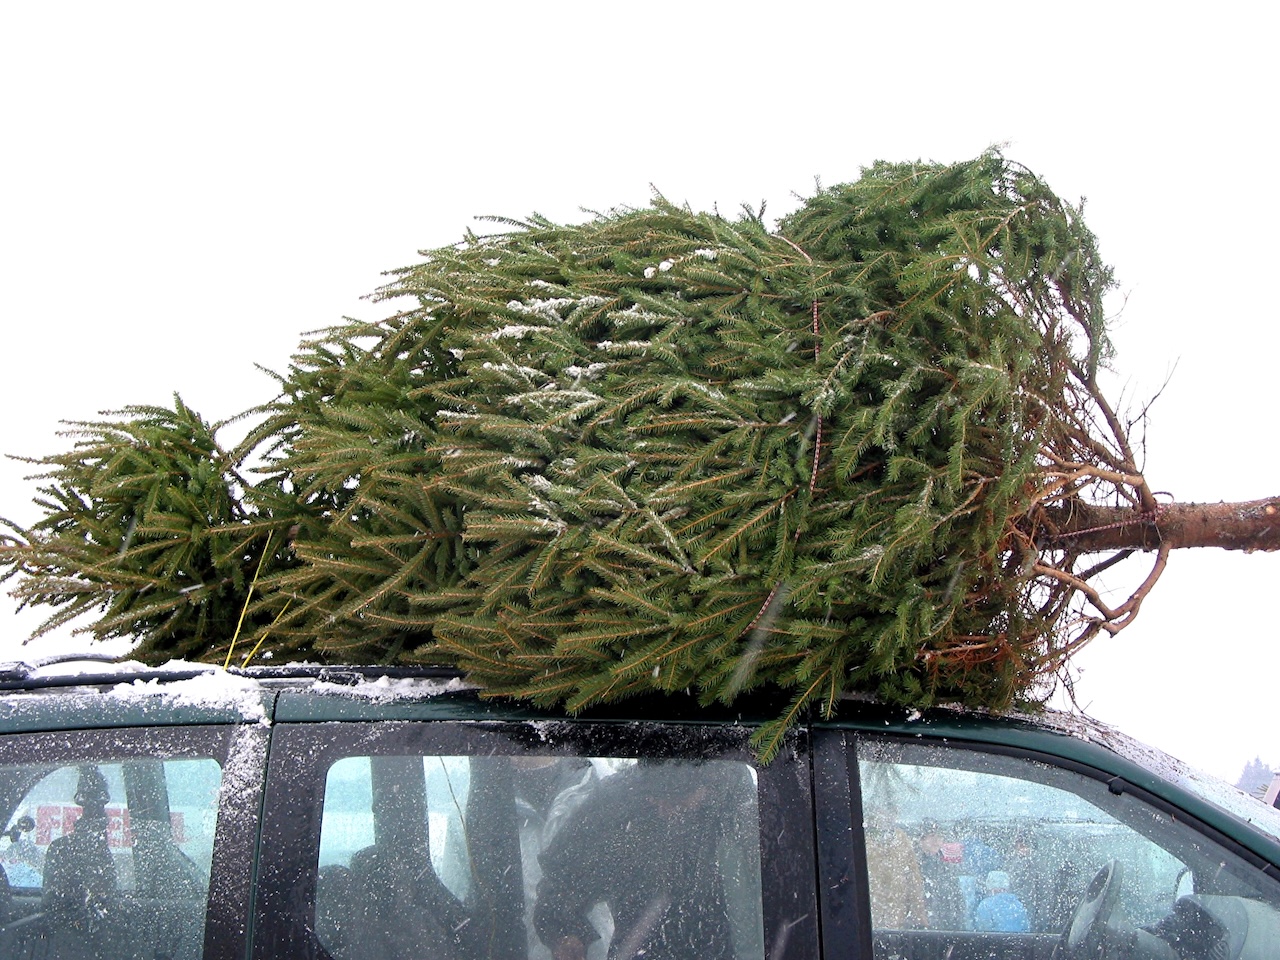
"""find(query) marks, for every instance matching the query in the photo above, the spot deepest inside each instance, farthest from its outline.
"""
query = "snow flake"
(703, 388)
(211, 687)
(385, 689)
(528, 372)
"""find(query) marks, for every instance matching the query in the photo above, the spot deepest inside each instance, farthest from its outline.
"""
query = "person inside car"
(1000, 910)
(80, 882)
(646, 843)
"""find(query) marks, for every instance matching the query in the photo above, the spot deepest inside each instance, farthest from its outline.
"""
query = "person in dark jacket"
(944, 900)
(646, 843)
(80, 883)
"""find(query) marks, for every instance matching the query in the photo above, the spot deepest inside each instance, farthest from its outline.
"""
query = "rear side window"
(168, 810)
(540, 854)
(554, 856)
(109, 841)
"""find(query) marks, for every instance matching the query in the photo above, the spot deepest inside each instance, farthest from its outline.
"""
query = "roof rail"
(356, 672)
(28, 676)
(20, 669)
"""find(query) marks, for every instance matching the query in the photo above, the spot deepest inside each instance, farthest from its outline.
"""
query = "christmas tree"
(661, 449)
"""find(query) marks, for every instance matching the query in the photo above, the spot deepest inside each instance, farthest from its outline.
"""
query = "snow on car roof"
(209, 687)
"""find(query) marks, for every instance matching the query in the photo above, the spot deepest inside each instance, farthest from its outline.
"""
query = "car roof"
(78, 692)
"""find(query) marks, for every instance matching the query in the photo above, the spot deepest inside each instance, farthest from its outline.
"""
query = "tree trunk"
(1251, 525)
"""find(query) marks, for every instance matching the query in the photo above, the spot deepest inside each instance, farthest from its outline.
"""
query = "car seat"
(166, 912)
(402, 910)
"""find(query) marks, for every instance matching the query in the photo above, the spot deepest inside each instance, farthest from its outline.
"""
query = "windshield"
(1236, 802)
(1208, 788)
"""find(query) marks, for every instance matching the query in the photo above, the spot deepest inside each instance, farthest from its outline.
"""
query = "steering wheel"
(1083, 938)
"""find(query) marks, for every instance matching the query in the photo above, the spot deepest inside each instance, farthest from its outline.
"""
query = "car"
(342, 813)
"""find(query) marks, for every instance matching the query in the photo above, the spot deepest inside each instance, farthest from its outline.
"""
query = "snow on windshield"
(1207, 787)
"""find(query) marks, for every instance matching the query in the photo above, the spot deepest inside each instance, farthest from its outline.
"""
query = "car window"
(1009, 855)
(546, 855)
(560, 857)
(108, 843)
(52, 810)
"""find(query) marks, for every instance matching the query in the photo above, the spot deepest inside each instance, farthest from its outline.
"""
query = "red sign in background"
(55, 820)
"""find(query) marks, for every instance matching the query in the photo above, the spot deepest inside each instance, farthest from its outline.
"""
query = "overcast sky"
(185, 190)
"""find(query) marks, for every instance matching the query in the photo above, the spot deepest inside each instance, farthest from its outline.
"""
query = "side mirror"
(1185, 885)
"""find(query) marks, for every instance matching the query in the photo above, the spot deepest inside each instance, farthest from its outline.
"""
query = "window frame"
(302, 754)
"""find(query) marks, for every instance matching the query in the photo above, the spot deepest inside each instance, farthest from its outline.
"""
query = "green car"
(350, 813)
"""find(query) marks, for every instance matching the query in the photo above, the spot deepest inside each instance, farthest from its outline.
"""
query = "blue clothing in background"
(981, 857)
(1001, 913)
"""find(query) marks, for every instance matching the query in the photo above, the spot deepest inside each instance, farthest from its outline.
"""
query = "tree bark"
(1250, 525)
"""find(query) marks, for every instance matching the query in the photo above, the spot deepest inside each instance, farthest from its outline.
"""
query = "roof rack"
(21, 675)
(20, 669)
(355, 672)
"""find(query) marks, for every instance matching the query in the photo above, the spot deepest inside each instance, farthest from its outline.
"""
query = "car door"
(392, 838)
(128, 842)
(964, 849)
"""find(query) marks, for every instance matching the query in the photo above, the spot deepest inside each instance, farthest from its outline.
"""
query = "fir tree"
(1255, 778)
(865, 451)
(146, 526)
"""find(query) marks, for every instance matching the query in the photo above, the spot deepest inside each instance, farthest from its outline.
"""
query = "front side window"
(483, 850)
(1010, 857)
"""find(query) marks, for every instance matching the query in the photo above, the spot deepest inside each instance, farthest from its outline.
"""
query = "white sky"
(184, 190)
